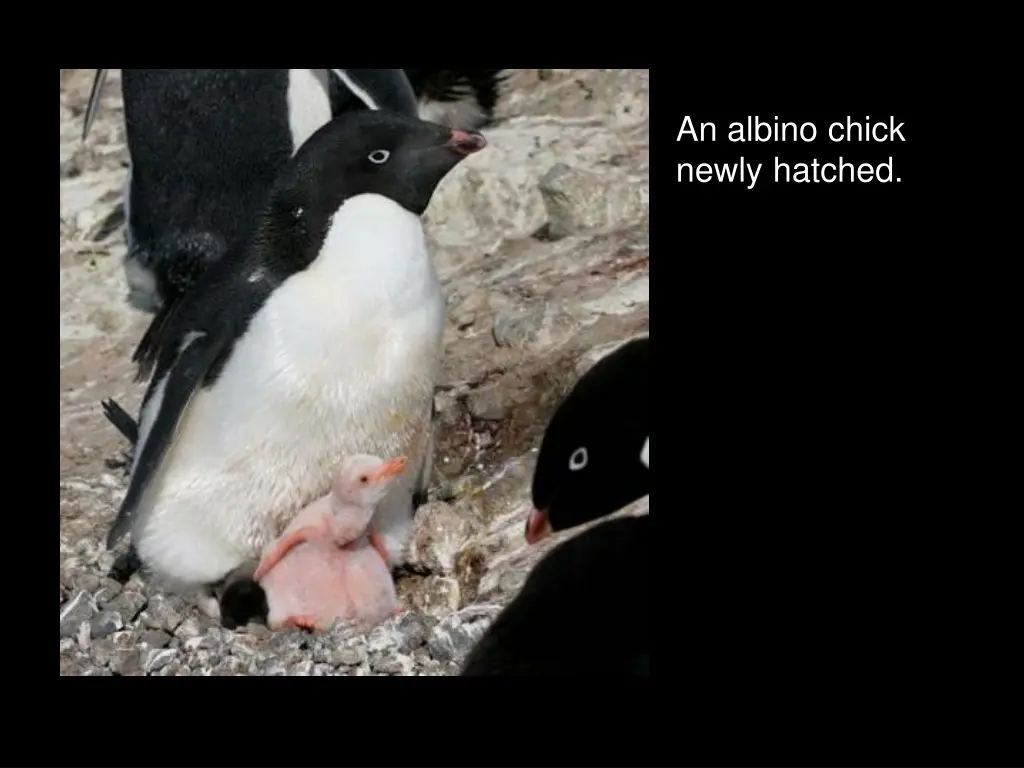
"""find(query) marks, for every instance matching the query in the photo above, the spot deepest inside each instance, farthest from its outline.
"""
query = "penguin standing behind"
(584, 609)
(461, 98)
(320, 338)
(205, 146)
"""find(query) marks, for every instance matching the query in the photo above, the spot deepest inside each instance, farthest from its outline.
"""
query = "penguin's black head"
(593, 457)
(241, 602)
(372, 151)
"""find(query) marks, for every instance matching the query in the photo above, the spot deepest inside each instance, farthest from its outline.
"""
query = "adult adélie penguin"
(319, 338)
(585, 608)
(205, 146)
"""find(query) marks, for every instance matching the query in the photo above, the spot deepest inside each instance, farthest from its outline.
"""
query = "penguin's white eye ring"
(578, 460)
(379, 156)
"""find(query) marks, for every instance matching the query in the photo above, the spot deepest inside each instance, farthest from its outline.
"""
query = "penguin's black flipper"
(380, 89)
(180, 381)
(94, 100)
(122, 420)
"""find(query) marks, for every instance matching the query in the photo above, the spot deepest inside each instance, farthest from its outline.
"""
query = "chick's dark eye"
(364, 479)
(379, 156)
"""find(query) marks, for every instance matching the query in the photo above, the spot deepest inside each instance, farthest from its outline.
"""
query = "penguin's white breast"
(341, 359)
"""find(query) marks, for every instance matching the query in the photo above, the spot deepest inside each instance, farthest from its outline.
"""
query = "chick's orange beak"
(537, 526)
(390, 469)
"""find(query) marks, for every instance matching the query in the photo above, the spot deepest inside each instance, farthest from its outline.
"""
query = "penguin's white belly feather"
(341, 359)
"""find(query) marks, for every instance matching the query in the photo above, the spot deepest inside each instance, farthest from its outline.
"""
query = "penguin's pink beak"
(466, 142)
(537, 526)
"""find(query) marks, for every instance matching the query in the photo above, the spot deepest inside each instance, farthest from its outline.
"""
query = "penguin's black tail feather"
(121, 419)
(242, 601)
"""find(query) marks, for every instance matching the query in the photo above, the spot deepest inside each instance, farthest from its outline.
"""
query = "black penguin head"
(594, 454)
(377, 152)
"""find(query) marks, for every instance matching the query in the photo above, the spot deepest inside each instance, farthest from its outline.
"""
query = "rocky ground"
(541, 242)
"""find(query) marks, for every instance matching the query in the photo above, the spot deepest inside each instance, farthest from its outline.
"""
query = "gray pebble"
(78, 609)
(229, 667)
(67, 644)
(106, 623)
(102, 650)
(244, 646)
(163, 613)
(301, 669)
(323, 670)
(128, 604)
(411, 630)
(127, 663)
(158, 658)
(348, 657)
(124, 641)
(88, 582)
(188, 628)
(394, 664)
(517, 328)
(107, 592)
(155, 638)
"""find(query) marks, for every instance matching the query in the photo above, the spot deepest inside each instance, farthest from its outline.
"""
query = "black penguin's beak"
(538, 526)
(466, 142)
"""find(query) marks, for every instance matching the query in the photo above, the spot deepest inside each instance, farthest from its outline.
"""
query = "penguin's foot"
(300, 622)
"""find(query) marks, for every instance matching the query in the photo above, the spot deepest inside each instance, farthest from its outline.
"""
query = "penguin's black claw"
(125, 566)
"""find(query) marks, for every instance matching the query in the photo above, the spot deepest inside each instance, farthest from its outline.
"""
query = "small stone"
(200, 643)
(439, 596)
(106, 623)
(301, 669)
(517, 328)
(188, 629)
(158, 658)
(127, 663)
(84, 636)
(348, 657)
(257, 631)
(394, 664)
(107, 592)
(172, 669)
(78, 609)
(162, 613)
(456, 635)
(411, 631)
(155, 638)
(67, 644)
(244, 646)
(124, 641)
(488, 403)
(129, 603)
(102, 650)
(323, 670)
(88, 582)
(439, 532)
(228, 667)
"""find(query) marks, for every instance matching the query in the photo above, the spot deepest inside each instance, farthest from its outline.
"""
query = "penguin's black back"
(206, 145)
(583, 610)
